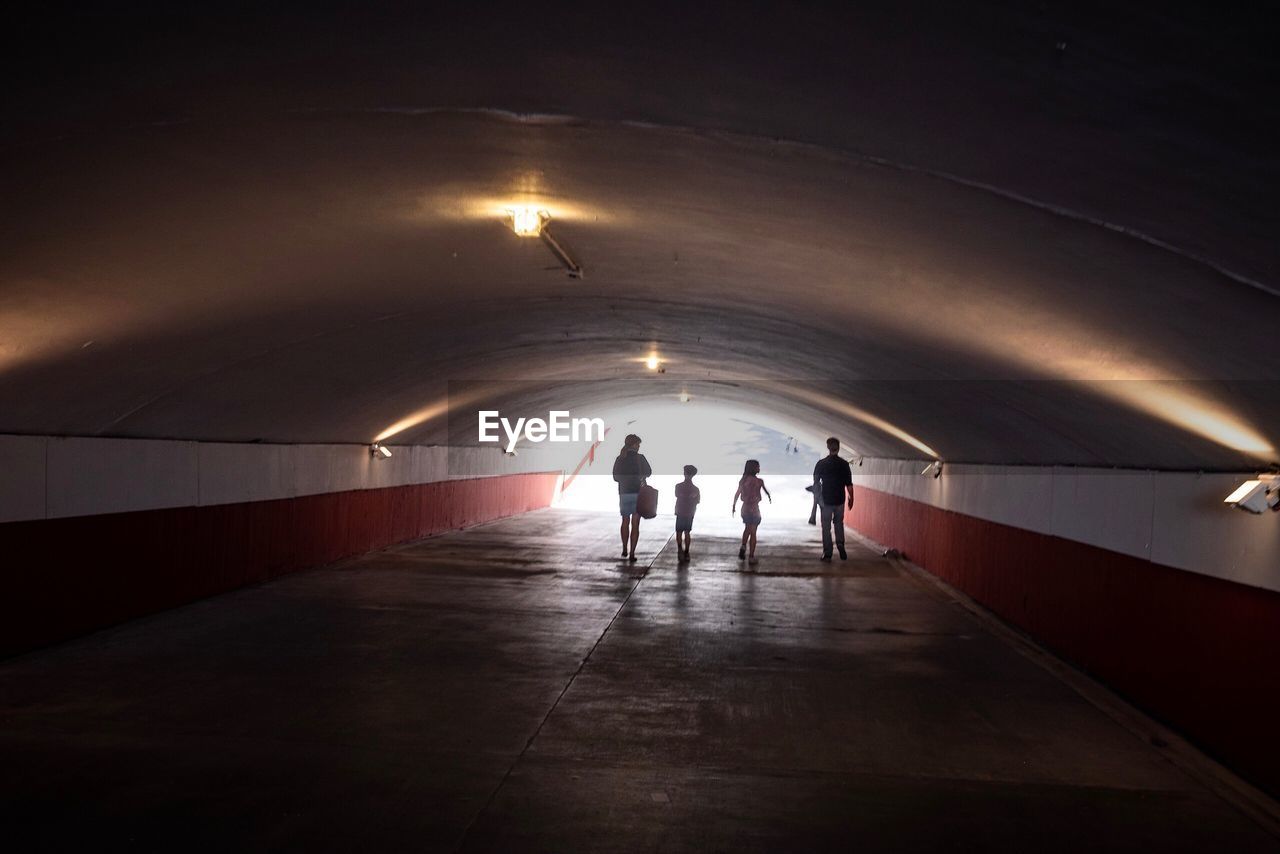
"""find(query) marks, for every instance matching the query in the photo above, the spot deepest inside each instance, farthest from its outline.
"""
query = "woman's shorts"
(684, 523)
(627, 503)
(750, 518)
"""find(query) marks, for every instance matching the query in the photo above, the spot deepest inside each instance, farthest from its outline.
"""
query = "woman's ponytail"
(631, 443)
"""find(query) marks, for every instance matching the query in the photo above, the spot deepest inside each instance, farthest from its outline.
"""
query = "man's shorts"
(684, 523)
(750, 518)
(627, 504)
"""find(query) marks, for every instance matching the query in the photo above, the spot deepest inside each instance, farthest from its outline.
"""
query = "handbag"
(647, 497)
(647, 502)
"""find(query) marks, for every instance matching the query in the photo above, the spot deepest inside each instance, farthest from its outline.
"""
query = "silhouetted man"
(832, 485)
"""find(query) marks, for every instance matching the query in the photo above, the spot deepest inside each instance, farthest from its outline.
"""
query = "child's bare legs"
(682, 543)
(749, 539)
(626, 533)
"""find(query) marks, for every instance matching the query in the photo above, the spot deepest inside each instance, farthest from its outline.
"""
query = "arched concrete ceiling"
(913, 229)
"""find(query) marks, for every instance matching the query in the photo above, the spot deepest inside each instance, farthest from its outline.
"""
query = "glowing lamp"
(379, 451)
(651, 363)
(528, 222)
(1255, 496)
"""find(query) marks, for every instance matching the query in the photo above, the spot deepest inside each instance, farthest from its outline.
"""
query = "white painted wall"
(88, 476)
(23, 461)
(50, 477)
(1172, 518)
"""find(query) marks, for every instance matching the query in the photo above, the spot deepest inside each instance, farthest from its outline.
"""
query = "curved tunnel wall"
(1175, 602)
(1141, 578)
(96, 531)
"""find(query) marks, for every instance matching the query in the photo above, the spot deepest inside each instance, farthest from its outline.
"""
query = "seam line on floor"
(493, 796)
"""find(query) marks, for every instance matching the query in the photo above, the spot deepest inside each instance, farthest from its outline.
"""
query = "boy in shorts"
(687, 498)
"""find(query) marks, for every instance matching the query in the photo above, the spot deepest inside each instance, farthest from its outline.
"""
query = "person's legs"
(837, 522)
(683, 525)
(630, 521)
(827, 513)
(750, 535)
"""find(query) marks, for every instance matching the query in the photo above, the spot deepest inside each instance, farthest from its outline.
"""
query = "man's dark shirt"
(629, 470)
(835, 476)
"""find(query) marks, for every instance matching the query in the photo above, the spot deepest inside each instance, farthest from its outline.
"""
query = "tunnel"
(328, 333)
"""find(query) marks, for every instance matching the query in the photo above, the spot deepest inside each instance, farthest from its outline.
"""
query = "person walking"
(749, 489)
(687, 498)
(630, 470)
(833, 487)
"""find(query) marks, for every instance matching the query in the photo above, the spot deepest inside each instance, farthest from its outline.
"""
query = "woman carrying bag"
(630, 470)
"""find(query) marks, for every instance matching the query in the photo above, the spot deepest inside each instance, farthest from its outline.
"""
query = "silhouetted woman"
(749, 489)
(630, 470)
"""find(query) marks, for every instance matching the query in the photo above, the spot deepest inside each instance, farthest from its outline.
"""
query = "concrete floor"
(516, 688)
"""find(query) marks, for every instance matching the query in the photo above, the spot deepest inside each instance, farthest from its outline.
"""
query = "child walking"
(749, 489)
(687, 498)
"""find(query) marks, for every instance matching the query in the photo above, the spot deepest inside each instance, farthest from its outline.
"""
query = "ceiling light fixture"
(653, 362)
(1257, 495)
(934, 469)
(379, 451)
(685, 397)
(529, 221)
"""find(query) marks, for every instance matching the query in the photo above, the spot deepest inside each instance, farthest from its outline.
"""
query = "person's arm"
(616, 475)
(645, 469)
(736, 496)
(765, 490)
(817, 481)
(848, 486)
(697, 495)
(849, 489)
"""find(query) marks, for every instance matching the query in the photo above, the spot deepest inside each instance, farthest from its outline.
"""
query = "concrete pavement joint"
(581, 666)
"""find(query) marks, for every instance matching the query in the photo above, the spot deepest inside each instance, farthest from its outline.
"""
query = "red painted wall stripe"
(65, 577)
(1196, 652)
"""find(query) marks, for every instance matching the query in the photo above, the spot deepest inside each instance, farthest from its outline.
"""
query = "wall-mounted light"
(685, 396)
(379, 451)
(653, 362)
(1256, 496)
(934, 469)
